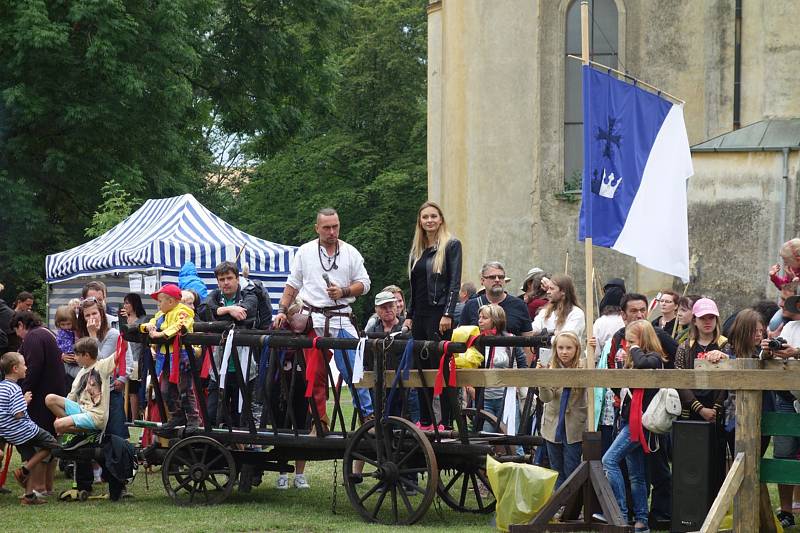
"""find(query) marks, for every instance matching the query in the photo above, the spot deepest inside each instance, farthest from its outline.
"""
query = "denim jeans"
(565, 458)
(632, 453)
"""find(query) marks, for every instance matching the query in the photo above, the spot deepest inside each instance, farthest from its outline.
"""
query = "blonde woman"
(643, 351)
(434, 267)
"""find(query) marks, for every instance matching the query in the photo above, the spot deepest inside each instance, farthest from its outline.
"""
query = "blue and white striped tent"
(158, 239)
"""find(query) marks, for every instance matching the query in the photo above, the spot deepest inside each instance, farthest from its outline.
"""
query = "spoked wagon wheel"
(400, 474)
(198, 471)
(463, 485)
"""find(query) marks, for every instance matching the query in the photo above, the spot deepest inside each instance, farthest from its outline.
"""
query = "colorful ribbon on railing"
(358, 360)
(263, 363)
(121, 354)
(175, 363)
(404, 371)
(205, 367)
(313, 360)
(226, 355)
(438, 385)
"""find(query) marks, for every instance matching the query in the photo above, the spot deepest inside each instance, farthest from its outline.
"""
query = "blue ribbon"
(263, 363)
(404, 370)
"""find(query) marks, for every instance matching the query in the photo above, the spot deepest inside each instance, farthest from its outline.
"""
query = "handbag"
(662, 411)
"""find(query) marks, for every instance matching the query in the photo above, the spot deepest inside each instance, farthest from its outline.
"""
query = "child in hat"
(176, 377)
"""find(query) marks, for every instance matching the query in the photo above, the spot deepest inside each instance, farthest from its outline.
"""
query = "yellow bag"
(520, 489)
(472, 358)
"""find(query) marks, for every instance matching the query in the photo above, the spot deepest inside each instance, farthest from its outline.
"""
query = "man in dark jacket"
(234, 301)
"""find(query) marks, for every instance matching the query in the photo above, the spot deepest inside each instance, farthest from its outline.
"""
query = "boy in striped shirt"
(34, 443)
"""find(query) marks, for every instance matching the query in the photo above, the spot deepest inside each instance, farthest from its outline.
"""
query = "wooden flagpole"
(636, 81)
(589, 309)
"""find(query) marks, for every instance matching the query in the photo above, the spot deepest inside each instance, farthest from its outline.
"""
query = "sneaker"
(21, 477)
(300, 482)
(78, 441)
(786, 519)
(283, 483)
(32, 499)
(600, 518)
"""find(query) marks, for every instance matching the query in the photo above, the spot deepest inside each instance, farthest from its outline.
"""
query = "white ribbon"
(510, 410)
(244, 364)
(358, 360)
(226, 354)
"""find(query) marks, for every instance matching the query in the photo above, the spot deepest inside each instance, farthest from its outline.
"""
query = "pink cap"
(705, 306)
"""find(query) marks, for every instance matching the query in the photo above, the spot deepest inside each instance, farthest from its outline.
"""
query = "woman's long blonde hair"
(420, 242)
(648, 340)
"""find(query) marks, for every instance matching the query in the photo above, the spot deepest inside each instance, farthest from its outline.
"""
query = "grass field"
(264, 509)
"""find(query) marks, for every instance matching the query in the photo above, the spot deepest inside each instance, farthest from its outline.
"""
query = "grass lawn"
(264, 509)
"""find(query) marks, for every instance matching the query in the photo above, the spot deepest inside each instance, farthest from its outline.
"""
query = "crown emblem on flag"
(609, 185)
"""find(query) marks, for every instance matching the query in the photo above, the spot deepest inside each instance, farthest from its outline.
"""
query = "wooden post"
(589, 309)
(748, 440)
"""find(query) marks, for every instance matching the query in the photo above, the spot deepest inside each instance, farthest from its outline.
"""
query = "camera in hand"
(777, 343)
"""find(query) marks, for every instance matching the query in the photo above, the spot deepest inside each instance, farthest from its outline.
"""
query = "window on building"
(603, 48)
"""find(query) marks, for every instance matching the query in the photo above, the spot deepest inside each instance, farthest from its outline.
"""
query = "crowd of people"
(83, 377)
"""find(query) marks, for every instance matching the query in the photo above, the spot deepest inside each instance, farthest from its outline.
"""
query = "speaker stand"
(586, 488)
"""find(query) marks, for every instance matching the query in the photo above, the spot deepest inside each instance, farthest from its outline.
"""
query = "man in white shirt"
(328, 275)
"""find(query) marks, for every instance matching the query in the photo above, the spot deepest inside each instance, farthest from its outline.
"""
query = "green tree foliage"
(117, 205)
(365, 155)
(136, 91)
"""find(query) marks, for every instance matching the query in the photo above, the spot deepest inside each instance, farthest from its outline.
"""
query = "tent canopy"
(165, 233)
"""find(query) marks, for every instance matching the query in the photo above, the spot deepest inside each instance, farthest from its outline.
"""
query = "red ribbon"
(175, 365)
(438, 385)
(206, 366)
(635, 420)
(313, 359)
(121, 352)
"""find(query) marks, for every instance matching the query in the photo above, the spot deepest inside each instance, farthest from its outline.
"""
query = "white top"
(306, 275)
(604, 328)
(791, 332)
(575, 322)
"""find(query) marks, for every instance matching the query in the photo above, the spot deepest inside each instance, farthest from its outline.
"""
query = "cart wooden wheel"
(464, 486)
(400, 474)
(198, 471)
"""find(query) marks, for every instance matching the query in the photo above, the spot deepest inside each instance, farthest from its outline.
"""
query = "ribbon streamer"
(358, 360)
(226, 355)
(175, 364)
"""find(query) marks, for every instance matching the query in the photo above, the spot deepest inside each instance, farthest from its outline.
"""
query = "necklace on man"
(331, 260)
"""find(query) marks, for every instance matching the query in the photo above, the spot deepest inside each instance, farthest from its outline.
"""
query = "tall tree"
(135, 91)
(364, 156)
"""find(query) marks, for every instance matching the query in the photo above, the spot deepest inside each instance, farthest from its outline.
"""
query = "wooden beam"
(563, 495)
(784, 424)
(755, 380)
(748, 441)
(766, 514)
(784, 471)
(725, 496)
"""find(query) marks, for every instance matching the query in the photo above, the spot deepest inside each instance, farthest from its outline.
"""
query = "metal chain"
(333, 502)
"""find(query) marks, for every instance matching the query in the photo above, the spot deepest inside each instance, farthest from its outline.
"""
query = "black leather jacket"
(443, 287)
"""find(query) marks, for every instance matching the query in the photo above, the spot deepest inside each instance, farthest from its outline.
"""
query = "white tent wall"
(118, 285)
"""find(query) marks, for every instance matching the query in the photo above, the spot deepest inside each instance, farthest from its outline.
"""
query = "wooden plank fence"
(748, 377)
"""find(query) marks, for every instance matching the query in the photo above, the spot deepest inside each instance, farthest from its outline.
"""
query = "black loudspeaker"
(695, 473)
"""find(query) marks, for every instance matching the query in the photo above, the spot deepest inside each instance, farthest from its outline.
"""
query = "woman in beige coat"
(564, 416)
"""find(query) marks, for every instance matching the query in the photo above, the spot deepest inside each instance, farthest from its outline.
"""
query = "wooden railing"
(748, 377)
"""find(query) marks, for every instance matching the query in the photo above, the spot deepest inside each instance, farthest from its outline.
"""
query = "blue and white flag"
(636, 163)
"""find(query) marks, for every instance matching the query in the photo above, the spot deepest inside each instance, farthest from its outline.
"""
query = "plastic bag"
(727, 522)
(520, 489)
(472, 358)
